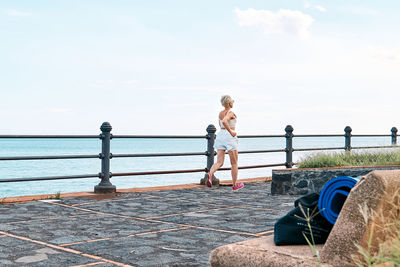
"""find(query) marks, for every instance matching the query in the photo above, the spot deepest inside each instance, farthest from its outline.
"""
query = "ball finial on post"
(106, 127)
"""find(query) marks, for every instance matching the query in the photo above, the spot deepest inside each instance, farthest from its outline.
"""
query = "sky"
(161, 66)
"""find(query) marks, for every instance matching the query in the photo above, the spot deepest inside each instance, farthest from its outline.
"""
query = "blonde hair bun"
(226, 100)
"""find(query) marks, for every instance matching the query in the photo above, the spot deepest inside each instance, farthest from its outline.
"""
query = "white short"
(225, 141)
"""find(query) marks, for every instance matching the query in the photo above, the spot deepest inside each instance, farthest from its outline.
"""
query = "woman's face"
(231, 104)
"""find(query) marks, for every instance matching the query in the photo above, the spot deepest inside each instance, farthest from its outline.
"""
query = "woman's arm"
(230, 115)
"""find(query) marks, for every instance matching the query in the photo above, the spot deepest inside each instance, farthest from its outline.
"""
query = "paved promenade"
(158, 228)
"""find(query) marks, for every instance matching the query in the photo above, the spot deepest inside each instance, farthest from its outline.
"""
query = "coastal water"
(46, 147)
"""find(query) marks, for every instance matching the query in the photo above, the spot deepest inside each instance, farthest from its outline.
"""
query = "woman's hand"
(233, 133)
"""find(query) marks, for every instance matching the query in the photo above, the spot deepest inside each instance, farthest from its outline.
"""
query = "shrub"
(362, 158)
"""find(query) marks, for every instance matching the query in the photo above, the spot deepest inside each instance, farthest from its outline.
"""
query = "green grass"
(311, 243)
(353, 158)
(56, 196)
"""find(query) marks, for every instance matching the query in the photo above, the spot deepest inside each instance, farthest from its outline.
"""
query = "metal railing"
(105, 156)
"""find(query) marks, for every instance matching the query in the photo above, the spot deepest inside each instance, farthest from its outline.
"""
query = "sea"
(52, 147)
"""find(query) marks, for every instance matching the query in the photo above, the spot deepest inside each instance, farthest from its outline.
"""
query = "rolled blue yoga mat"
(333, 196)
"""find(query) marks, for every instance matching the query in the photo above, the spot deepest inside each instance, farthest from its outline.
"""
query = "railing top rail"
(30, 136)
(29, 179)
(131, 136)
(260, 136)
(369, 135)
(159, 136)
(50, 157)
(339, 135)
(318, 135)
(159, 155)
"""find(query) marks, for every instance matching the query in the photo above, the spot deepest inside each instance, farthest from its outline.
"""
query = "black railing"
(105, 185)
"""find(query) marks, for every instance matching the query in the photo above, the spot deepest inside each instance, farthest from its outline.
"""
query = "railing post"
(289, 146)
(105, 185)
(210, 154)
(394, 136)
(347, 138)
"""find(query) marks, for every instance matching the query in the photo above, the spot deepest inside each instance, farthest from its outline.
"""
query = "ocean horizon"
(47, 147)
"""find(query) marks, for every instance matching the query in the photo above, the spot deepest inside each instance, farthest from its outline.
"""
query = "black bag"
(289, 229)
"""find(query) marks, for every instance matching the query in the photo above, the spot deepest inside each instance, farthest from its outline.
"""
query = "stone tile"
(251, 210)
(100, 198)
(16, 252)
(256, 195)
(146, 207)
(235, 219)
(69, 230)
(188, 247)
(33, 211)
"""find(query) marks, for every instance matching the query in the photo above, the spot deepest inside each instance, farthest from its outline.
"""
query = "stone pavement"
(159, 228)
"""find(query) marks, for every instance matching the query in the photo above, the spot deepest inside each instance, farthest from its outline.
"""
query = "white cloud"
(382, 53)
(317, 7)
(282, 21)
(320, 8)
(16, 13)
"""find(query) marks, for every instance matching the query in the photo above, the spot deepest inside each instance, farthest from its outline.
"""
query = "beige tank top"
(231, 122)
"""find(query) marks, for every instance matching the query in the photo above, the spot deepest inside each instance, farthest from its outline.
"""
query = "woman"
(226, 140)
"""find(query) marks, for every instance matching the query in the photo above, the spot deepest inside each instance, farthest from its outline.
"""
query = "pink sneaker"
(237, 187)
(209, 181)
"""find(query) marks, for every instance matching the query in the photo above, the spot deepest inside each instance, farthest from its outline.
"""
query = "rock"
(262, 252)
(372, 205)
(367, 214)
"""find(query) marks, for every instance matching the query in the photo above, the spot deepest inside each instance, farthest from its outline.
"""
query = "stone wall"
(305, 181)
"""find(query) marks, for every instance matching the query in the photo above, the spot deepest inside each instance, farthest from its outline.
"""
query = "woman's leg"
(233, 155)
(219, 163)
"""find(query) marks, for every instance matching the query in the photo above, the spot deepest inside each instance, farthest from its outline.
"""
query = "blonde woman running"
(226, 141)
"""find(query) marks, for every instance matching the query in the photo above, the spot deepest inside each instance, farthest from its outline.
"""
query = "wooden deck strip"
(9, 200)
